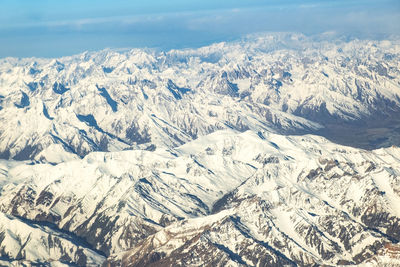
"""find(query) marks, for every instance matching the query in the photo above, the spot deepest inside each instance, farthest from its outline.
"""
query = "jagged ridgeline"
(144, 99)
(277, 150)
(228, 198)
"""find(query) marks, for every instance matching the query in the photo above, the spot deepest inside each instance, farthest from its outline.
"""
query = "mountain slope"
(225, 155)
(284, 83)
(23, 241)
(245, 198)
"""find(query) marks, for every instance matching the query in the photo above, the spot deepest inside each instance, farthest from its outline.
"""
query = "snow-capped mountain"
(203, 157)
(229, 197)
(25, 241)
(57, 109)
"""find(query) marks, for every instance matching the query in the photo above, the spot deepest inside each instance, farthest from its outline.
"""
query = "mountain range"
(275, 150)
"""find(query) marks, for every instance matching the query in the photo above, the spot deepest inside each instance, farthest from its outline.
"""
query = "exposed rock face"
(228, 198)
(110, 101)
(24, 242)
(201, 157)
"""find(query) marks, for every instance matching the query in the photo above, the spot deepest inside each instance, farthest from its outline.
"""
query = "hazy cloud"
(46, 34)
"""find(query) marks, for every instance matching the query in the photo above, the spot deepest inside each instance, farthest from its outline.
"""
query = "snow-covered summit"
(115, 100)
(239, 198)
(221, 155)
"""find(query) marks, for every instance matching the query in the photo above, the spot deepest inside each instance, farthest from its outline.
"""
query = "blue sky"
(50, 28)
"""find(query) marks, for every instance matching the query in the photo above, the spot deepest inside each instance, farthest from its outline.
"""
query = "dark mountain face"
(215, 156)
(161, 100)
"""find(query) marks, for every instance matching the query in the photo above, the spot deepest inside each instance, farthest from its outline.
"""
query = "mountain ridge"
(234, 154)
(284, 83)
(307, 190)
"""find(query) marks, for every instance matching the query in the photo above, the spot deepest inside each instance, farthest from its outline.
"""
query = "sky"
(54, 28)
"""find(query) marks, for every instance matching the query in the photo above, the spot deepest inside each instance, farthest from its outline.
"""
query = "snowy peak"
(246, 198)
(220, 155)
(109, 100)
